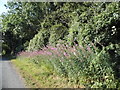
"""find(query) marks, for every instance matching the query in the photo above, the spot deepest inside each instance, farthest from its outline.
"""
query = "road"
(9, 77)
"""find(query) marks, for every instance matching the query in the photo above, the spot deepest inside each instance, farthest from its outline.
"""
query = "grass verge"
(37, 77)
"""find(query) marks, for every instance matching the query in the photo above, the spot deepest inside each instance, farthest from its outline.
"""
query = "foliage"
(57, 22)
(98, 31)
(21, 23)
(45, 37)
(102, 28)
(34, 26)
(72, 37)
(78, 64)
(40, 40)
(58, 32)
(40, 77)
(80, 22)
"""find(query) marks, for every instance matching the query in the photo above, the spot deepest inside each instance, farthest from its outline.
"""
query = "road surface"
(9, 78)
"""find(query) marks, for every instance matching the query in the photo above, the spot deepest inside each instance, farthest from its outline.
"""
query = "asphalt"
(9, 77)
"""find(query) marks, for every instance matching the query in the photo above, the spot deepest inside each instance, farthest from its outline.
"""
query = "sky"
(2, 7)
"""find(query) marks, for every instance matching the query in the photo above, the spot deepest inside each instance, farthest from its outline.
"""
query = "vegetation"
(80, 65)
(77, 41)
(40, 78)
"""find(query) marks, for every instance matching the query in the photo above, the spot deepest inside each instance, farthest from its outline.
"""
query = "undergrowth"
(38, 77)
(77, 65)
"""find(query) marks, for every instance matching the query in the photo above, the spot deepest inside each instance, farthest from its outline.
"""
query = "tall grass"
(79, 64)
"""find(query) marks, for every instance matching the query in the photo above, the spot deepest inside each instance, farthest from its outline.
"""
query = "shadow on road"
(7, 58)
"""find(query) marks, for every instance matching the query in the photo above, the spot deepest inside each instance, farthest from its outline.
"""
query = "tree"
(21, 23)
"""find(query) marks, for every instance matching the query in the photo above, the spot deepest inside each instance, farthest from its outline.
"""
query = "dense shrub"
(98, 24)
(103, 26)
(40, 40)
(72, 36)
(58, 32)
(44, 37)
(79, 64)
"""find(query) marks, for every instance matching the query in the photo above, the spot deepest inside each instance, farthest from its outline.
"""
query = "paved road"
(0, 75)
(9, 77)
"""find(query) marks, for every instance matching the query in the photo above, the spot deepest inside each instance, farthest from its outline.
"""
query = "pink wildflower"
(49, 53)
(65, 54)
(53, 48)
(88, 48)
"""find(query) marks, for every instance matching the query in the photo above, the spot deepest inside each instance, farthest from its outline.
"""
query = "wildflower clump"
(79, 64)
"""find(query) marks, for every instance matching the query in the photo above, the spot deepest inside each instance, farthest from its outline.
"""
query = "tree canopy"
(32, 25)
